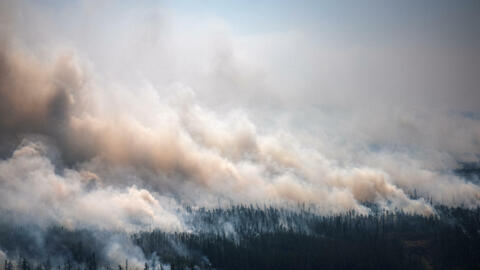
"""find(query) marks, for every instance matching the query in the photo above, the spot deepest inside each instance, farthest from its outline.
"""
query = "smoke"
(117, 134)
(3, 257)
(121, 247)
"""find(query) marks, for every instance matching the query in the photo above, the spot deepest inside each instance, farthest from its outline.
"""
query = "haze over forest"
(199, 118)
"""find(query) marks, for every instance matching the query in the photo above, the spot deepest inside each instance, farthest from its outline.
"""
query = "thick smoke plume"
(83, 146)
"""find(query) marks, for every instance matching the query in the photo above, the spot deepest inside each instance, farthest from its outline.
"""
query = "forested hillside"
(248, 237)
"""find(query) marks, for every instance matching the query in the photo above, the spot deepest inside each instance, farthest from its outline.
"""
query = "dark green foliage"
(278, 239)
(25, 265)
(247, 237)
(469, 171)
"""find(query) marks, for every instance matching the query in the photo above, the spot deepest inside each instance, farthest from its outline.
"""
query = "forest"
(253, 237)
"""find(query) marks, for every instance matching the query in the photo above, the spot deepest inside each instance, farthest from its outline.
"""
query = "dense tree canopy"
(248, 237)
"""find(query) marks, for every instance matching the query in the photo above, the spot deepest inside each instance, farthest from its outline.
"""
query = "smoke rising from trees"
(120, 138)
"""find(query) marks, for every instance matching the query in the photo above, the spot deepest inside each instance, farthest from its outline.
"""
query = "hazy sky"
(427, 48)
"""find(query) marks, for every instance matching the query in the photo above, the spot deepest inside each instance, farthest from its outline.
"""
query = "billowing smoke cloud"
(32, 190)
(84, 146)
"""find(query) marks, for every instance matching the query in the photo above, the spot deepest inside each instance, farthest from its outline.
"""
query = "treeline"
(251, 238)
(248, 237)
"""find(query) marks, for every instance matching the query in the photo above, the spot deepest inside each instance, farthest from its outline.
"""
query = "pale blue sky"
(436, 19)
(453, 21)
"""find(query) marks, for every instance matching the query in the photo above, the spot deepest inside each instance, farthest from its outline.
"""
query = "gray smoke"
(118, 134)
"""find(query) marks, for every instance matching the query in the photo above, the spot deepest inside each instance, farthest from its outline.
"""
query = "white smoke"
(135, 123)
(34, 193)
